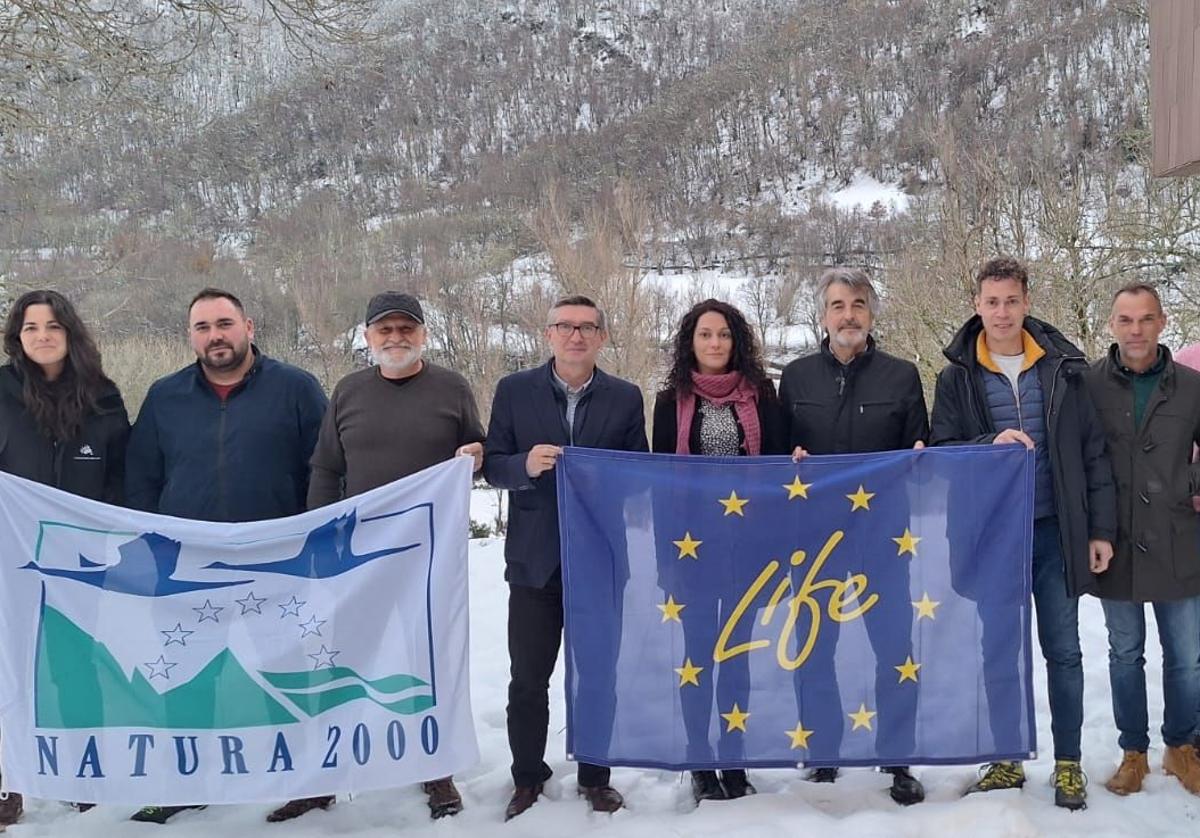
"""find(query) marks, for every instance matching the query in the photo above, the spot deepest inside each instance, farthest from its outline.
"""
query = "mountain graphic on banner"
(81, 685)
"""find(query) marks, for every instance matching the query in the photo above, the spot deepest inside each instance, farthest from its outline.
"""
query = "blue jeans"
(1179, 631)
(1058, 633)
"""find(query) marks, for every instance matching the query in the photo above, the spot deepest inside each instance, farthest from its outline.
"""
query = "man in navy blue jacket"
(567, 401)
(227, 438)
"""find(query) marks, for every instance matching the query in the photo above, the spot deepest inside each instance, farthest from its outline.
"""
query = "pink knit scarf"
(727, 388)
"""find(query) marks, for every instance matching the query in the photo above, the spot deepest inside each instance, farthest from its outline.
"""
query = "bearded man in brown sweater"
(385, 422)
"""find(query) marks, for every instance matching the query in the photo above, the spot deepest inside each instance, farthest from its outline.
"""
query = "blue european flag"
(865, 609)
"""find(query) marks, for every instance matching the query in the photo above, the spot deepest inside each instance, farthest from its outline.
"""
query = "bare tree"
(48, 45)
(593, 258)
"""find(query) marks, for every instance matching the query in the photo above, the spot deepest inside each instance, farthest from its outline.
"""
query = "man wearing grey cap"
(386, 422)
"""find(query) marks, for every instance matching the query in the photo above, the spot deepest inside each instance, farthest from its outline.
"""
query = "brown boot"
(522, 798)
(11, 809)
(444, 799)
(1182, 762)
(300, 806)
(602, 798)
(1130, 774)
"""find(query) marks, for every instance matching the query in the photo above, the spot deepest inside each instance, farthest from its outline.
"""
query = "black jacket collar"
(858, 362)
(12, 383)
(961, 349)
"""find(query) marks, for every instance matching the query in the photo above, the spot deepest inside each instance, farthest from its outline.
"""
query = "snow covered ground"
(659, 802)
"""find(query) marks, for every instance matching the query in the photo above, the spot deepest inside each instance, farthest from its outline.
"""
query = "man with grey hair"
(848, 398)
(386, 422)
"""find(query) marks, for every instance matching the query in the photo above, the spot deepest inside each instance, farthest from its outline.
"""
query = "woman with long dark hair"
(62, 421)
(717, 401)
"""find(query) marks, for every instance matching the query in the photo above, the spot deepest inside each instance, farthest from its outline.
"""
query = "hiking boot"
(12, 806)
(522, 798)
(1182, 762)
(1130, 774)
(159, 814)
(83, 807)
(602, 798)
(1070, 785)
(822, 775)
(300, 806)
(906, 789)
(444, 799)
(736, 784)
(706, 786)
(999, 775)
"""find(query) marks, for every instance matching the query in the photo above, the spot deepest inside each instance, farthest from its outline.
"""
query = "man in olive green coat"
(1150, 409)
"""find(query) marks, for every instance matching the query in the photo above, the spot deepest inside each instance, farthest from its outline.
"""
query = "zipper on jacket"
(1017, 397)
(221, 494)
(56, 458)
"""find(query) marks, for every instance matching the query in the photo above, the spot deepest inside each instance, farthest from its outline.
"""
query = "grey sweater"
(376, 431)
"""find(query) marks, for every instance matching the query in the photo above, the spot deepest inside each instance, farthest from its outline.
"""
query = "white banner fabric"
(154, 660)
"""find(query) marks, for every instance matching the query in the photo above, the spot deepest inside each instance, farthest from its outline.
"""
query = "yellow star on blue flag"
(733, 504)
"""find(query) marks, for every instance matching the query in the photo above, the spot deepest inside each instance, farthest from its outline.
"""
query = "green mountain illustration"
(81, 685)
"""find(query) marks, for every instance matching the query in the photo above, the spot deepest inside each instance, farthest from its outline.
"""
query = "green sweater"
(1145, 383)
(376, 431)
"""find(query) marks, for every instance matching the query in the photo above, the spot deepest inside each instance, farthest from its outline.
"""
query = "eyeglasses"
(587, 330)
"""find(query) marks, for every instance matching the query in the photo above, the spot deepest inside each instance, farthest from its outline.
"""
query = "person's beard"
(396, 360)
(851, 341)
(237, 355)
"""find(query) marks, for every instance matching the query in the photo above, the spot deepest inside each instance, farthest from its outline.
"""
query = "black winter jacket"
(246, 459)
(1157, 558)
(91, 464)
(1084, 494)
(874, 403)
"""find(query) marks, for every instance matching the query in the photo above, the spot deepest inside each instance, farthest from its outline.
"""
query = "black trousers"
(535, 623)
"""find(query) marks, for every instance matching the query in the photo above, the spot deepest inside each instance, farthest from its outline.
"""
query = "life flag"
(844, 610)
(148, 659)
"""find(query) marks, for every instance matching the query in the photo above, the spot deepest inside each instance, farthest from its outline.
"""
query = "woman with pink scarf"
(717, 402)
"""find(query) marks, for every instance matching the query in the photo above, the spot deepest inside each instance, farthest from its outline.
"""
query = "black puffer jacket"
(1156, 557)
(1084, 494)
(92, 464)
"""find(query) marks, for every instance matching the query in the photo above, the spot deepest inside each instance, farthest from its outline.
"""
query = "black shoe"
(906, 789)
(159, 814)
(444, 799)
(83, 807)
(522, 798)
(736, 785)
(300, 806)
(706, 786)
(822, 775)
